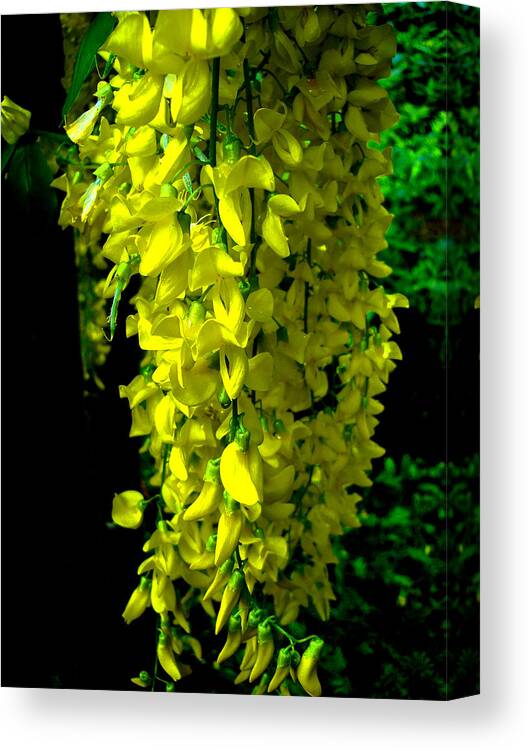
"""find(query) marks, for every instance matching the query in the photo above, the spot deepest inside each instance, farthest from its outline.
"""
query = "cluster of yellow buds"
(230, 179)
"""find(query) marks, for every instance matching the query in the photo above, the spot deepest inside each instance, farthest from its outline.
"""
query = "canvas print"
(241, 341)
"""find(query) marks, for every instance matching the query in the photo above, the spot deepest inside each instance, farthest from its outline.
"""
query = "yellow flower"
(127, 509)
(15, 120)
(138, 602)
(199, 33)
(241, 473)
(231, 184)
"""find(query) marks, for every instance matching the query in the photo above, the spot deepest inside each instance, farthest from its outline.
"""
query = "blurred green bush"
(406, 620)
(434, 191)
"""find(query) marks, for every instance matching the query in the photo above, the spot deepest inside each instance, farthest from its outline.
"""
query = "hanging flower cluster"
(230, 184)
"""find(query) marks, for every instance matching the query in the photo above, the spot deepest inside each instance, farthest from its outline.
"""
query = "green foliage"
(434, 191)
(28, 176)
(402, 620)
(85, 61)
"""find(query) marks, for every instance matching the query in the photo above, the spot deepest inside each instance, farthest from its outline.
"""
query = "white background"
(498, 718)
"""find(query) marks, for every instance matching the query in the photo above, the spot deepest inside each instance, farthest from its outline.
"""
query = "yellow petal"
(83, 126)
(199, 384)
(131, 39)
(164, 418)
(211, 263)
(172, 282)
(178, 463)
(279, 485)
(226, 30)
(137, 604)
(228, 304)
(266, 122)
(260, 305)
(355, 123)
(191, 99)
(164, 243)
(207, 502)
(174, 157)
(288, 148)
(233, 369)
(140, 167)
(167, 661)
(284, 205)
(15, 120)
(274, 234)
(260, 372)
(159, 208)
(142, 142)
(231, 217)
(126, 510)
(240, 475)
(228, 533)
(250, 172)
(137, 103)
(212, 336)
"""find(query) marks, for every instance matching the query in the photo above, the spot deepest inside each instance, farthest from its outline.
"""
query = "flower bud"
(104, 172)
(284, 660)
(306, 672)
(231, 149)
(265, 650)
(242, 438)
(255, 616)
(211, 543)
(263, 421)
(229, 599)
(212, 472)
(104, 91)
(223, 399)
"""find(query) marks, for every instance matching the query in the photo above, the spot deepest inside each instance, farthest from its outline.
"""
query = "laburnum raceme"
(230, 181)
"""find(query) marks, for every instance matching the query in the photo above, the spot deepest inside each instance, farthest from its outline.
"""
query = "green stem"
(283, 632)
(307, 638)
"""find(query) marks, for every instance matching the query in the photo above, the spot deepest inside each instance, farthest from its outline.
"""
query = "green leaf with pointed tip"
(94, 37)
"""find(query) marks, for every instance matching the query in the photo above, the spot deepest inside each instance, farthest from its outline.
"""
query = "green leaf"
(334, 661)
(29, 177)
(7, 153)
(95, 36)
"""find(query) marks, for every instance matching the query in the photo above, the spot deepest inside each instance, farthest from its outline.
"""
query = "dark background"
(66, 573)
